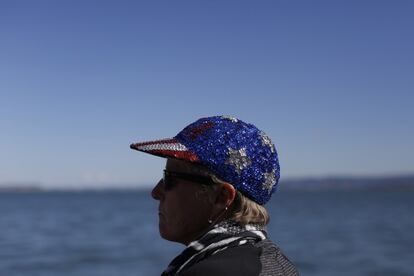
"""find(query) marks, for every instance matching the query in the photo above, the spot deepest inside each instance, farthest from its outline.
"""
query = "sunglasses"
(169, 176)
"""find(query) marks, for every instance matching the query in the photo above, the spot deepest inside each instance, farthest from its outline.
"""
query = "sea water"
(116, 233)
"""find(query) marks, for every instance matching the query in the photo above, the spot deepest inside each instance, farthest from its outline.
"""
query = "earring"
(210, 221)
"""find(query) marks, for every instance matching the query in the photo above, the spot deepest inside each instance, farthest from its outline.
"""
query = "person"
(219, 173)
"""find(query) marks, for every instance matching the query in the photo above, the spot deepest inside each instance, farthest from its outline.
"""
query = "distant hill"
(346, 183)
(303, 184)
(20, 188)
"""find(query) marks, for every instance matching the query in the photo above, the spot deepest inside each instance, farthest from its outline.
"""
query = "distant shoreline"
(350, 183)
(305, 184)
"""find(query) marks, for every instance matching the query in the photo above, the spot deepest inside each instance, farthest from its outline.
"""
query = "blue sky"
(330, 81)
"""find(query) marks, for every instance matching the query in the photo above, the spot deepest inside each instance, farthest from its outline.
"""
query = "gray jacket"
(263, 258)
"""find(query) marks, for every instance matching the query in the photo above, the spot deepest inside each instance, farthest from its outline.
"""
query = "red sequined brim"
(166, 148)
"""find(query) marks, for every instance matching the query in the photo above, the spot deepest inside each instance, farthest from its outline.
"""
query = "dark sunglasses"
(169, 176)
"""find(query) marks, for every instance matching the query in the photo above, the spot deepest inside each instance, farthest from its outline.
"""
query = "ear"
(226, 195)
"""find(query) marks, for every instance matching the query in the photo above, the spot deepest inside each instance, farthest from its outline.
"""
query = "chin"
(164, 231)
(167, 236)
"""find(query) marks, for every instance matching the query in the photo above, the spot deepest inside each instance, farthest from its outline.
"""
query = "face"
(184, 208)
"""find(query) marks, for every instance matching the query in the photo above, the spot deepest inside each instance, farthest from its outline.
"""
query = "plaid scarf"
(220, 237)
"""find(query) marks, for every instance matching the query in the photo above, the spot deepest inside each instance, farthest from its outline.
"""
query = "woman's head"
(218, 168)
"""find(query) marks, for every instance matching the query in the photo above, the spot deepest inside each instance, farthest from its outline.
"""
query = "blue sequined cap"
(235, 151)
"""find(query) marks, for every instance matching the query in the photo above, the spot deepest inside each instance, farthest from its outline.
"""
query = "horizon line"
(37, 185)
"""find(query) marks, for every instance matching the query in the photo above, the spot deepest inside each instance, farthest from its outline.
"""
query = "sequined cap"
(236, 152)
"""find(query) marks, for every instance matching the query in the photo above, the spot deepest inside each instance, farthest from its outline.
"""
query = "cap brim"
(167, 148)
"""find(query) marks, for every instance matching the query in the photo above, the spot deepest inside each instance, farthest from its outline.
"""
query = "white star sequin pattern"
(267, 142)
(234, 120)
(238, 159)
(270, 180)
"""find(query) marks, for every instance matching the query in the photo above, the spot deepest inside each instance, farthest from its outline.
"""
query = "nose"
(157, 191)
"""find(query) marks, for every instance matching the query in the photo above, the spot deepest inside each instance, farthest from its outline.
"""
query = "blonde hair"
(244, 210)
